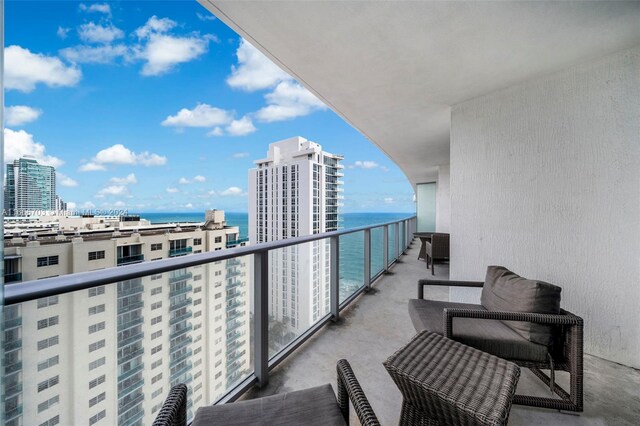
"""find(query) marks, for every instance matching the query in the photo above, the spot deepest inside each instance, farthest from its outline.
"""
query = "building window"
(156, 393)
(156, 290)
(97, 345)
(95, 255)
(197, 241)
(96, 291)
(47, 301)
(156, 334)
(156, 349)
(47, 343)
(156, 305)
(53, 421)
(156, 277)
(93, 401)
(156, 320)
(97, 363)
(156, 378)
(157, 246)
(49, 383)
(96, 327)
(48, 261)
(54, 360)
(218, 239)
(97, 381)
(96, 309)
(49, 403)
(157, 363)
(95, 419)
(47, 322)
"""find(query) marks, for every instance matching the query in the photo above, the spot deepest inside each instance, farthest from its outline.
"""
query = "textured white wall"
(545, 180)
(443, 200)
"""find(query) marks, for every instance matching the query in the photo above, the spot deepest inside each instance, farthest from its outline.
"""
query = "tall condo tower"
(295, 191)
(29, 187)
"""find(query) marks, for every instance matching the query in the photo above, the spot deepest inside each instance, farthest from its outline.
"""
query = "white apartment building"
(296, 190)
(110, 354)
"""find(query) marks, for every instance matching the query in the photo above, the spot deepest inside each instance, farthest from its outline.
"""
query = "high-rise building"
(109, 354)
(30, 186)
(296, 191)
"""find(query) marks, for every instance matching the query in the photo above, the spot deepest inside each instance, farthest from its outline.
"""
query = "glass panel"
(351, 264)
(115, 351)
(377, 255)
(298, 291)
(426, 206)
(392, 243)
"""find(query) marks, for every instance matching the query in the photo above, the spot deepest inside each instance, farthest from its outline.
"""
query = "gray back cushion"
(504, 290)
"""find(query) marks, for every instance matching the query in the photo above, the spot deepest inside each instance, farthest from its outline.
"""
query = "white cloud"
(119, 204)
(172, 190)
(96, 33)
(127, 180)
(113, 190)
(162, 52)
(96, 7)
(88, 205)
(95, 54)
(65, 180)
(62, 32)
(240, 127)
(217, 131)
(184, 181)
(289, 100)
(389, 200)
(91, 167)
(254, 70)
(20, 114)
(119, 154)
(200, 178)
(20, 143)
(365, 165)
(202, 17)
(240, 155)
(188, 205)
(232, 191)
(155, 25)
(71, 205)
(24, 70)
(202, 115)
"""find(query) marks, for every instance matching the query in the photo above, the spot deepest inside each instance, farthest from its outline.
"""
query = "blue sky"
(158, 106)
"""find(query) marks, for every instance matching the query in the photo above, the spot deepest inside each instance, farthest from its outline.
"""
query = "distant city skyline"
(158, 106)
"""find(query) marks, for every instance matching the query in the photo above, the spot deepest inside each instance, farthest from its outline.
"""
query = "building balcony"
(233, 243)
(180, 290)
(183, 275)
(128, 260)
(177, 305)
(130, 339)
(184, 316)
(180, 251)
(13, 278)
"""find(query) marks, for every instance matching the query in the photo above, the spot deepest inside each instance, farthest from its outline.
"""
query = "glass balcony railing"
(180, 328)
(127, 260)
(180, 251)
(12, 278)
(233, 243)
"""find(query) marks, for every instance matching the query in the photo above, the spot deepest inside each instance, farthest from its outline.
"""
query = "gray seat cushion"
(490, 336)
(315, 406)
(504, 290)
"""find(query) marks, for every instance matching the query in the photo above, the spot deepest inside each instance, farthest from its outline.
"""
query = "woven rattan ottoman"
(444, 382)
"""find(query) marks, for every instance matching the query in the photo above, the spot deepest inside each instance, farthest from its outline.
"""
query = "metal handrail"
(36, 289)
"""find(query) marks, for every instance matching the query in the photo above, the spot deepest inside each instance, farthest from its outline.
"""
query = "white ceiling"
(394, 69)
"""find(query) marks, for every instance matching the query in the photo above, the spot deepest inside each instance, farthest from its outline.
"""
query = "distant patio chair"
(314, 406)
(437, 248)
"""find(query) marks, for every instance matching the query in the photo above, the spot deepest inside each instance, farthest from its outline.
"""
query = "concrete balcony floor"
(376, 325)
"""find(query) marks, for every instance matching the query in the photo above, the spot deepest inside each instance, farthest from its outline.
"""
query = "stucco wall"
(443, 200)
(545, 180)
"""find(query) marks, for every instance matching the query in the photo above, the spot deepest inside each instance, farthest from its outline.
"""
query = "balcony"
(180, 251)
(233, 243)
(12, 278)
(128, 260)
(179, 276)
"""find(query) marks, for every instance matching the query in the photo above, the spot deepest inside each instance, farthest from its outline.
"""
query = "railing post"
(367, 258)
(334, 291)
(397, 235)
(385, 248)
(261, 316)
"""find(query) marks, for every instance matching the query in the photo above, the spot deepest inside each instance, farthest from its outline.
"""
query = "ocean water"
(351, 245)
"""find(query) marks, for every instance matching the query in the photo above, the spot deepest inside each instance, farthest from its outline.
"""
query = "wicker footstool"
(444, 382)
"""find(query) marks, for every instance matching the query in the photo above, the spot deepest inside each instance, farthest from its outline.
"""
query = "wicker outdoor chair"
(437, 248)
(314, 406)
(513, 332)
